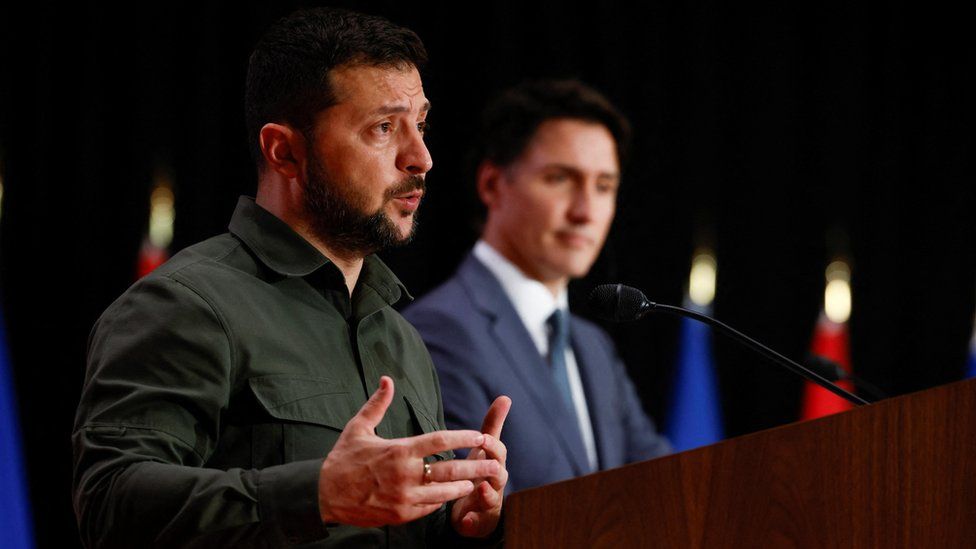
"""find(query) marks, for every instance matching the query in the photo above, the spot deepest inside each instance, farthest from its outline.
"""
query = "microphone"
(619, 303)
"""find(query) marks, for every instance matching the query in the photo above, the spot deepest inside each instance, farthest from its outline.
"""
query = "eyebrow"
(574, 169)
(396, 109)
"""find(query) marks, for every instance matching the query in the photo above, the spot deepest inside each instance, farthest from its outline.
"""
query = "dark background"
(767, 127)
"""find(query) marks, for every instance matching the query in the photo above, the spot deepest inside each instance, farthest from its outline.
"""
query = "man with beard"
(227, 398)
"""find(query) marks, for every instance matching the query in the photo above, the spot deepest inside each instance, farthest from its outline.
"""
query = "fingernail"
(479, 440)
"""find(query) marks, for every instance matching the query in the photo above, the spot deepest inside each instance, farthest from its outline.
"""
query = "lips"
(409, 201)
(574, 239)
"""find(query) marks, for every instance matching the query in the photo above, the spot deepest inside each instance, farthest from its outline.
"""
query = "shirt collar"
(533, 302)
(381, 279)
(286, 252)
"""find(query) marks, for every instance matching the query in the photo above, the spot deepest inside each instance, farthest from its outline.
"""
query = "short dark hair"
(288, 72)
(512, 118)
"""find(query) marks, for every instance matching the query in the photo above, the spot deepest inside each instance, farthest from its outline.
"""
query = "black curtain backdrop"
(766, 128)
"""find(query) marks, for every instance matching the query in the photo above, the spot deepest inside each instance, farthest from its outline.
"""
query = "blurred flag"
(695, 414)
(162, 212)
(831, 341)
(15, 517)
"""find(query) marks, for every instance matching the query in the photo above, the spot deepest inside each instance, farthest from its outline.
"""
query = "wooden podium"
(898, 473)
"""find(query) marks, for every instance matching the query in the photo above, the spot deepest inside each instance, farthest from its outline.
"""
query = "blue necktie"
(558, 324)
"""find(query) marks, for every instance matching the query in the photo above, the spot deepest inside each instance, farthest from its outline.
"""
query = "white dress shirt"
(534, 304)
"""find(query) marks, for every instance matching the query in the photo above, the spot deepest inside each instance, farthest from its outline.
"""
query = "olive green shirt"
(217, 385)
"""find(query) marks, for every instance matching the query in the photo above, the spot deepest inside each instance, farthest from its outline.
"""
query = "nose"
(413, 157)
(581, 204)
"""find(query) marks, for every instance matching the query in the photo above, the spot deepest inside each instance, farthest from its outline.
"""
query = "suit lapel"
(522, 357)
(596, 386)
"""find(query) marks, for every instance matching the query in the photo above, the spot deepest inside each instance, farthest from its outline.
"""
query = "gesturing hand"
(370, 481)
(477, 514)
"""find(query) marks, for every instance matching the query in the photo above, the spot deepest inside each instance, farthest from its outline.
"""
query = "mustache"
(407, 185)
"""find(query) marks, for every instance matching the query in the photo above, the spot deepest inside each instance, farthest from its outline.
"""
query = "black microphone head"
(619, 303)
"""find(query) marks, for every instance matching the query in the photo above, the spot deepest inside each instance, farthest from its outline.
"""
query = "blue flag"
(695, 415)
(15, 519)
(971, 367)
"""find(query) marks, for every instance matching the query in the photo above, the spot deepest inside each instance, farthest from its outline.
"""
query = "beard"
(337, 213)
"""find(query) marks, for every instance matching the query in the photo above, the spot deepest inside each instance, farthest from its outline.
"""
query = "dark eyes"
(388, 127)
(557, 177)
(603, 185)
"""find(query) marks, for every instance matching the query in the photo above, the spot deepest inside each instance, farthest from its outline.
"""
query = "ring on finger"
(426, 473)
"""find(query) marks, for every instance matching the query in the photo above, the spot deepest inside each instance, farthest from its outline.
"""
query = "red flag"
(155, 245)
(830, 341)
(150, 257)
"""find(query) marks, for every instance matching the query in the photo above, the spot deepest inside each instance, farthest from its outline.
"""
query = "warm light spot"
(162, 213)
(701, 283)
(837, 295)
(838, 270)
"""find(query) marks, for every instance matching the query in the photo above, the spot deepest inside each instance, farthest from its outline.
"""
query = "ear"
(283, 148)
(488, 177)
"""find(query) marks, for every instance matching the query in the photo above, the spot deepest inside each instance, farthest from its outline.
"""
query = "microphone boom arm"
(770, 354)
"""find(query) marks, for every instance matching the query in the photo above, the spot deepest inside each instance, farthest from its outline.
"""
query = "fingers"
(471, 522)
(370, 415)
(495, 450)
(458, 469)
(477, 515)
(441, 492)
(426, 509)
(495, 418)
(441, 441)
(487, 497)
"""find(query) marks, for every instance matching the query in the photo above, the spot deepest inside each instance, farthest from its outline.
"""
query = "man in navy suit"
(549, 171)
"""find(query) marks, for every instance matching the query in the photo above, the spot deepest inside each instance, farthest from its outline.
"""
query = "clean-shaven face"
(553, 206)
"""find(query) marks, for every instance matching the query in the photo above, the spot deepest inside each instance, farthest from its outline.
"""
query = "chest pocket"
(310, 412)
(426, 422)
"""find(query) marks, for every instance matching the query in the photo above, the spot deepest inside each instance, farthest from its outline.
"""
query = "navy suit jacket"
(482, 350)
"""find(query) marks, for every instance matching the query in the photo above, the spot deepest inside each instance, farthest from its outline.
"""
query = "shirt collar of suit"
(533, 302)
